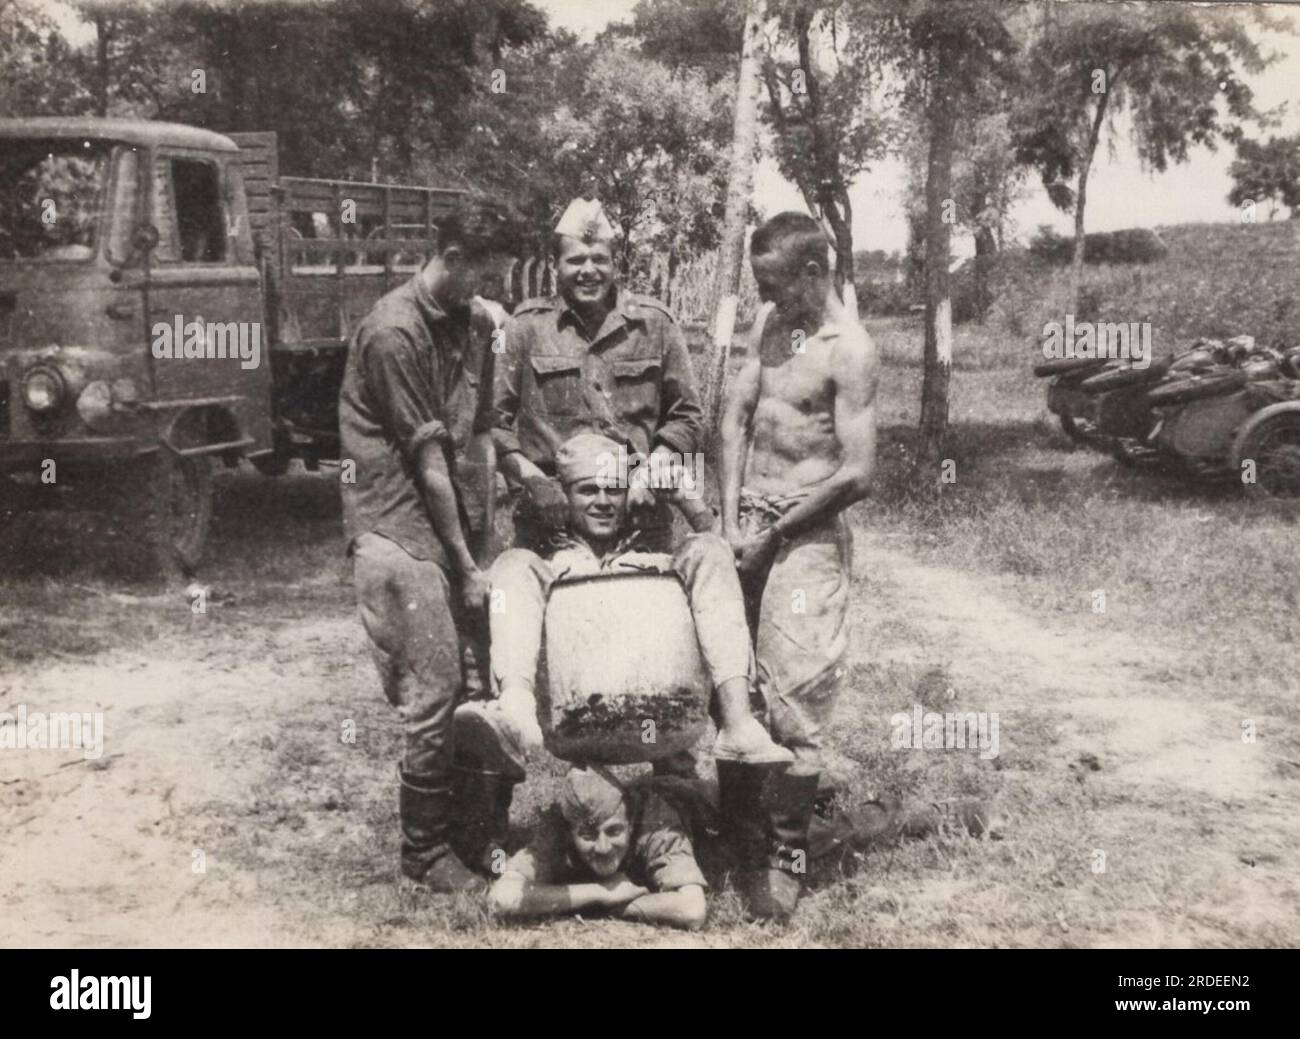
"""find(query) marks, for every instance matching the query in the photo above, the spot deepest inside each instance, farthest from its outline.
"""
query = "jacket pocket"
(636, 386)
(559, 384)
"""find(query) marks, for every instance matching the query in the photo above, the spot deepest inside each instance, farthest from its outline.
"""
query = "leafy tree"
(1267, 172)
(702, 35)
(647, 142)
(958, 54)
(823, 81)
(37, 76)
(1175, 70)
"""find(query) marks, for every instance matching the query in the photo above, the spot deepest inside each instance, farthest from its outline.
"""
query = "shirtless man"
(798, 448)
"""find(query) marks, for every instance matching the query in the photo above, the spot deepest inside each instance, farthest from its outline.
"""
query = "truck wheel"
(1274, 445)
(174, 506)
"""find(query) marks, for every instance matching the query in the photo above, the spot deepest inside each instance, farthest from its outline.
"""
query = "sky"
(1120, 193)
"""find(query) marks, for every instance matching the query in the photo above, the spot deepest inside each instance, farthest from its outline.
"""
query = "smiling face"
(795, 288)
(597, 506)
(584, 271)
(603, 846)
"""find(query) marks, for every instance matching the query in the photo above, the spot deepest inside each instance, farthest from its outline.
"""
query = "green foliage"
(36, 72)
(1131, 245)
(703, 35)
(648, 142)
(1267, 172)
(1176, 70)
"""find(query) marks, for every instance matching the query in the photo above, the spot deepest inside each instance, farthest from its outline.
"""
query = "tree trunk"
(739, 187)
(102, 33)
(986, 248)
(1081, 198)
(938, 298)
(839, 214)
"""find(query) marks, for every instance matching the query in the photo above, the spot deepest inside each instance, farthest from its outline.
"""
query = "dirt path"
(1163, 759)
(226, 809)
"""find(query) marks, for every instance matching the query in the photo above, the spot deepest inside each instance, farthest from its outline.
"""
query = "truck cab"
(168, 300)
(115, 236)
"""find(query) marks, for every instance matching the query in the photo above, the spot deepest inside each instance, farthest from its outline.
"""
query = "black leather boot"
(740, 813)
(756, 819)
(425, 808)
(481, 823)
(788, 800)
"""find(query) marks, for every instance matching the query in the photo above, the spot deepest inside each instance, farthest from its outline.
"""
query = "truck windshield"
(50, 198)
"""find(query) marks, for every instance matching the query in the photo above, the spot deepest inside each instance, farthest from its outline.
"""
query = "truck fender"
(1244, 431)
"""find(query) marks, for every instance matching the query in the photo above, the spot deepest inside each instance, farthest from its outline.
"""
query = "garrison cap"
(585, 219)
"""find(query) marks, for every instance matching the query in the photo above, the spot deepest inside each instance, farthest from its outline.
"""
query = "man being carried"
(598, 539)
(798, 448)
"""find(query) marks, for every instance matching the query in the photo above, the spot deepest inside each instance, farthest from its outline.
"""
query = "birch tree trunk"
(938, 296)
(739, 188)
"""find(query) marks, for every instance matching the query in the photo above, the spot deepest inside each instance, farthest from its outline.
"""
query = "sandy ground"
(227, 810)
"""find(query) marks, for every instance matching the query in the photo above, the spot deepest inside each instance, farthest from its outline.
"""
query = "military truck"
(168, 302)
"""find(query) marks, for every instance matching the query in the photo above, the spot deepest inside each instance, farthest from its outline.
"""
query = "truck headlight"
(95, 405)
(43, 390)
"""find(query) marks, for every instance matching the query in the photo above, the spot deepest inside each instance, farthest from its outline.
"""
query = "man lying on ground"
(606, 846)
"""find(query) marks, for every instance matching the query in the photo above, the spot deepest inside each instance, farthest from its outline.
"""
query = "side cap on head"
(587, 456)
(585, 220)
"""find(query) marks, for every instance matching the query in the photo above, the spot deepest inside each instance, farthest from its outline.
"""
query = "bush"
(1132, 245)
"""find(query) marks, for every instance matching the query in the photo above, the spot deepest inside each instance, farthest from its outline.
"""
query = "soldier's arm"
(686, 907)
(737, 429)
(439, 495)
(506, 381)
(855, 371)
(681, 426)
(412, 410)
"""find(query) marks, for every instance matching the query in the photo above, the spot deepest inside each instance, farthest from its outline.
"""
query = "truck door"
(205, 294)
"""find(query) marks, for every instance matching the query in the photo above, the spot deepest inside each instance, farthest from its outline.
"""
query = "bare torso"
(794, 441)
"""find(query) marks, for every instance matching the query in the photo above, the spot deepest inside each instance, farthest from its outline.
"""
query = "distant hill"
(1217, 280)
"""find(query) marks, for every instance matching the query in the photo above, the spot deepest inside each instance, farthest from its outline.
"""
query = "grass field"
(1137, 814)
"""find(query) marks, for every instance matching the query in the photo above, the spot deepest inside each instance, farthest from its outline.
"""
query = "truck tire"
(1274, 445)
(1196, 387)
(172, 497)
